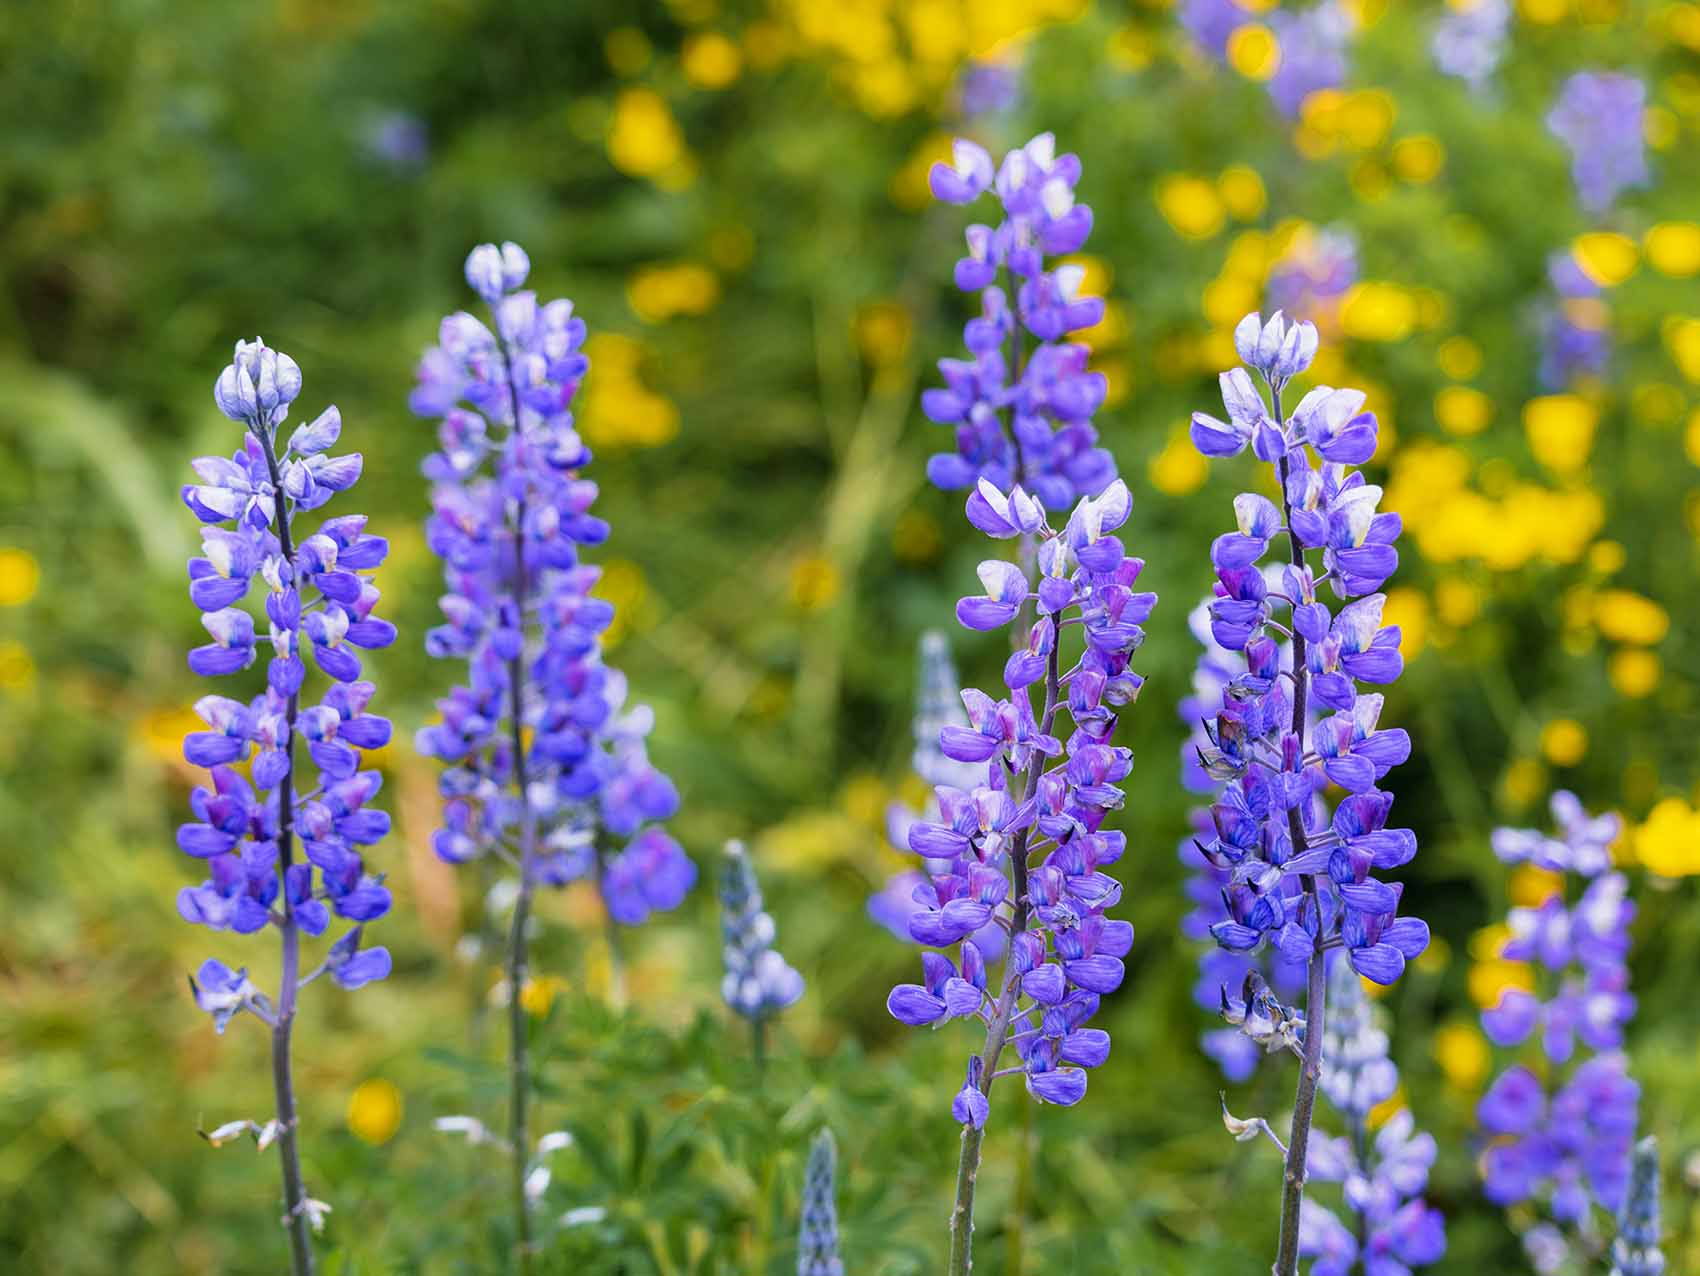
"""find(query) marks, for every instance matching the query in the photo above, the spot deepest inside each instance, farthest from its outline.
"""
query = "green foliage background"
(181, 172)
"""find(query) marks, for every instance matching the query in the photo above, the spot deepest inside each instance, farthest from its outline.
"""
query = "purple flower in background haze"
(1382, 1178)
(989, 88)
(1313, 52)
(1565, 1140)
(398, 140)
(1636, 1250)
(1314, 274)
(1600, 116)
(1469, 41)
(1021, 404)
(545, 765)
(758, 983)
(1211, 22)
(1575, 326)
(1294, 722)
(319, 601)
(817, 1233)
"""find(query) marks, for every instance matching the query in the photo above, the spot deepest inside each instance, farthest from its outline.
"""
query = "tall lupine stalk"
(1561, 1126)
(1298, 878)
(817, 1234)
(547, 769)
(758, 982)
(1636, 1250)
(1028, 839)
(248, 828)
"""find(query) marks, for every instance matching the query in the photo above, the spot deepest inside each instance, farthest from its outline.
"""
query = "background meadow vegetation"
(734, 195)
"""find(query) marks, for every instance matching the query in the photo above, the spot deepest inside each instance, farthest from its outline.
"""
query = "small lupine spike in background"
(758, 983)
(817, 1233)
(1636, 1250)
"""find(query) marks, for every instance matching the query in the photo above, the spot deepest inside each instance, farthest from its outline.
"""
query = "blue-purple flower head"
(1312, 43)
(758, 982)
(1601, 117)
(1314, 274)
(1574, 326)
(1272, 828)
(1636, 1250)
(817, 1233)
(1469, 41)
(1021, 403)
(511, 516)
(318, 602)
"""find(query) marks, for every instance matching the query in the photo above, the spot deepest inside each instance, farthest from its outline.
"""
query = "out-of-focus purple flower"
(1312, 276)
(1469, 41)
(817, 1234)
(1636, 1250)
(1313, 52)
(397, 140)
(1564, 1141)
(989, 88)
(758, 982)
(1021, 403)
(1600, 116)
(1574, 326)
(546, 763)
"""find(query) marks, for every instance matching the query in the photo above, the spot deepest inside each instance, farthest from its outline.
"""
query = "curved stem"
(1310, 1072)
(283, 1084)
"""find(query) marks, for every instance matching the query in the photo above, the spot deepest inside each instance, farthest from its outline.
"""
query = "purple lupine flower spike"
(248, 828)
(1560, 1132)
(758, 982)
(1600, 116)
(546, 767)
(1021, 404)
(1298, 880)
(1469, 41)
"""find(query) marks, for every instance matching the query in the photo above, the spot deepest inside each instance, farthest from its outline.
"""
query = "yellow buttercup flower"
(1242, 192)
(643, 138)
(1564, 742)
(1634, 673)
(1489, 980)
(711, 61)
(1373, 311)
(1625, 616)
(1191, 205)
(1407, 608)
(658, 293)
(1462, 409)
(1463, 1055)
(1668, 841)
(1418, 158)
(1459, 358)
(20, 576)
(815, 583)
(1606, 257)
(1560, 428)
(1254, 51)
(1673, 248)
(374, 1111)
(1682, 339)
(537, 996)
(1179, 468)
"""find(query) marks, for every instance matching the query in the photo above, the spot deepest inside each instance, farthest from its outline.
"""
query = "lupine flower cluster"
(1031, 832)
(1313, 275)
(989, 88)
(1219, 970)
(1561, 1131)
(1301, 879)
(320, 602)
(1294, 722)
(1575, 329)
(1382, 1177)
(1312, 43)
(1600, 116)
(758, 983)
(1636, 1250)
(1469, 41)
(1021, 415)
(938, 705)
(545, 763)
(817, 1235)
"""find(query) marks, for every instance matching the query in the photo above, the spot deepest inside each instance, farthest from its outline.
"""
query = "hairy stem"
(283, 1083)
(1310, 1073)
(968, 1167)
(519, 956)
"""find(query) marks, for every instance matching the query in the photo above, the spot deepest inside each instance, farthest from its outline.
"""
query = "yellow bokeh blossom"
(1463, 410)
(1374, 311)
(815, 583)
(1191, 205)
(1459, 358)
(1463, 1055)
(1179, 468)
(1242, 192)
(1625, 616)
(883, 329)
(627, 49)
(1673, 248)
(1606, 257)
(537, 996)
(1682, 339)
(658, 293)
(616, 409)
(1564, 742)
(1668, 840)
(1560, 428)
(1408, 608)
(375, 1111)
(1634, 673)
(1531, 886)
(20, 576)
(1254, 51)
(1418, 158)
(710, 60)
(643, 138)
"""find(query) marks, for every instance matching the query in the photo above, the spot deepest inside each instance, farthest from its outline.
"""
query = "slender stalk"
(283, 1084)
(758, 1044)
(968, 1167)
(519, 956)
(1310, 1073)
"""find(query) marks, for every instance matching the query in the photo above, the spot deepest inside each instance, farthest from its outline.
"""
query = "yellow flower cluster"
(1668, 841)
(617, 409)
(896, 55)
(645, 140)
(658, 293)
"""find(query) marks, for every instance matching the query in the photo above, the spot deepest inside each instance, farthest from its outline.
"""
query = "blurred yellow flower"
(915, 537)
(161, 732)
(1564, 742)
(1242, 192)
(20, 576)
(1463, 1055)
(1560, 428)
(1673, 248)
(1418, 158)
(1682, 337)
(1130, 48)
(1254, 51)
(1191, 205)
(1373, 311)
(374, 1111)
(1394, 1103)
(1607, 557)
(1544, 12)
(1691, 437)
(618, 410)
(1530, 886)
(1407, 608)
(1459, 358)
(815, 583)
(882, 332)
(864, 797)
(1457, 602)
(1488, 980)
(1524, 781)
(1634, 673)
(537, 996)
(1179, 468)
(1462, 409)
(627, 50)
(1606, 257)
(908, 187)
(657, 293)
(1624, 616)
(1668, 841)
(710, 60)
(643, 138)
(622, 585)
